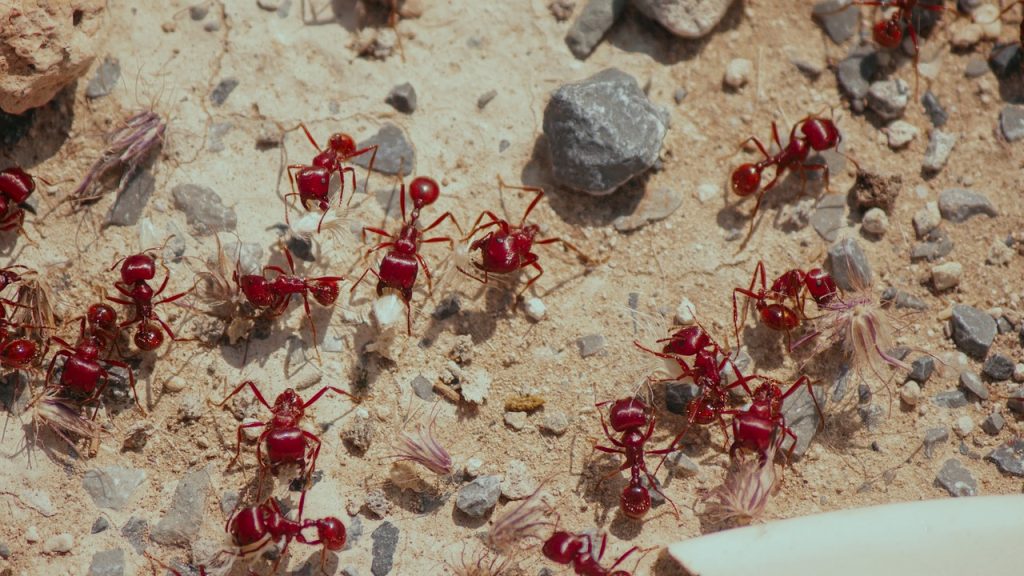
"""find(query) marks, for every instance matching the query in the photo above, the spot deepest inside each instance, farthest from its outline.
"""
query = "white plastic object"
(948, 537)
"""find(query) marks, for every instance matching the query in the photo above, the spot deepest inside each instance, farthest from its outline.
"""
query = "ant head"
(635, 501)
(102, 316)
(687, 341)
(331, 532)
(888, 33)
(563, 547)
(18, 354)
(627, 413)
(746, 179)
(341, 144)
(16, 184)
(789, 283)
(257, 290)
(288, 408)
(138, 268)
(325, 292)
(821, 133)
(149, 337)
(423, 191)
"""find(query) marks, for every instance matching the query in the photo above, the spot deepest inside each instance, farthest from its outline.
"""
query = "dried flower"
(215, 286)
(423, 448)
(521, 522)
(63, 417)
(745, 491)
(126, 147)
(36, 303)
(481, 562)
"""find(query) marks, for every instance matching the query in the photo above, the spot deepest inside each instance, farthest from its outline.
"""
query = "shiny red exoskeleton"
(16, 186)
(312, 183)
(255, 527)
(400, 265)
(781, 307)
(578, 550)
(84, 373)
(274, 294)
(888, 32)
(15, 353)
(754, 427)
(136, 272)
(628, 417)
(509, 248)
(286, 442)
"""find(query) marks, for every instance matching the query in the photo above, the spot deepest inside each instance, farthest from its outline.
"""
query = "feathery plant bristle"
(861, 327)
(744, 493)
(423, 448)
(63, 417)
(127, 147)
(480, 562)
(522, 521)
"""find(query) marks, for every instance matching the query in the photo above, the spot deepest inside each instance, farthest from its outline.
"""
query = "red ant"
(136, 271)
(287, 443)
(256, 526)
(889, 32)
(815, 133)
(628, 416)
(275, 294)
(15, 353)
(398, 269)
(792, 287)
(578, 549)
(313, 182)
(16, 186)
(82, 371)
(509, 248)
(754, 427)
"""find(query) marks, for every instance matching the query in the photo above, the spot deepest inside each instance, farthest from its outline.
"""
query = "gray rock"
(998, 367)
(385, 542)
(180, 525)
(838, 18)
(933, 437)
(247, 255)
(921, 369)
(105, 80)
(486, 98)
(478, 497)
(198, 11)
(956, 479)
(829, 216)
(904, 300)
(99, 525)
(973, 330)
(678, 396)
(1005, 60)
(1015, 401)
(127, 208)
(935, 244)
(394, 152)
(993, 424)
(353, 531)
(224, 89)
(950, 399)
(134, 531)
(1009, 457)
(959, 204)
(657, 204)
(301, 248)
(5, 550)
(803, 416)
(854, 74)
(601, 132)
(685, 18)
(933, 108)
(679, 95)
(976, 68)
(1011, 122)
(228, 502)
(590, 345)
(889, 98)
(112, 487)
(402, 98)
(849, 265)
(1003, 325)
(681, 465)
(217, 132)
(555, 422)
(590, 26)
(872, 415)
(423, 389)
(107, 563)
(972, 383)
(940, 146)
(204, 209)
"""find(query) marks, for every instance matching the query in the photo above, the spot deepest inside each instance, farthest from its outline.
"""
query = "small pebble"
(485, 99)
(478, 497)
(385, 542)
(927, 219)
(936, 113)
(950, 399)
(972, 383)
(993, 424)
(910, 393)
(516, 420)
(590, 345)
(998, 367)
(590, 27)
(681, 464)
(738, 73)
(1018, 372)
(936, 245)
(134, 531)
(224, 89)
(1009, 457)
(973, 330)
(875, 222)
(959, 204)
(686, 312)
(849, 265)
(59, 544)
(956, 479)
(963, 426)
(999, 254)
(707, 192)
(966, 36)
(31, 534)
(829, 216)
(1011, 122)
(517, 483)
(107, 563)
(199, 11)
(900, 133)
(921, 369)
(473, 466)
(555, 422)
(933, 437)
(947, 275)
(394, 152)
(476, 386)
(889, 98)
(105, 80)
(402, 98)
(423, 388)
(99, 525)
(535, 309)
(872, 416)
(940, 146)
(976, 68)
(838, 18)
(184, 517)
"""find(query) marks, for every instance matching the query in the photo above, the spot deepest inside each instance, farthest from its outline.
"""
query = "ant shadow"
(499, 305)
(49, 127)
(767, 347)
(636, 33)
(344, 13)
(1011, 80)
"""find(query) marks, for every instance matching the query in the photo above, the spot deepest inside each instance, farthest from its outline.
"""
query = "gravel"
(1005, 59)
(478, 497)
(936, 244)
(1011, 122)
(681, 465)
(402, 98)
(738, 73)
(590, 345)
(535, 309)
(956, 479)
(849, 265)
(394, 152)
(658, 203)
(933, 437)
(854, 74)
(112, 487)
(516, 420)
(947, 275)
(105, 79)
(129, 204)
(963, 426)
(59, 544)
(596, 18)
(1015, 401)
(385, 542)
(180, 525)
(910, 393)
(485, 99)
(993, 423)
(927, 219)
(555, 422)
(921, 369)
(224, 89)
(601, 132)
(933, 108)
(950, 399)
(976, 68)
(685, 18)
(998, 367)
(829, 216)
(204, 209)
(838, 18)
(1009, 457)
(900, 133)
(889, 98)
(903, 300)
(872, 416)
(971, 382)
(134, 531)
(875, 222)
(423, 388)
(959, 204)
(107, 563)
(940, 146)
(678, 396)
(973, 330)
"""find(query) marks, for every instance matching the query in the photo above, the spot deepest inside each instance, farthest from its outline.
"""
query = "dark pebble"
(596, 18)
(921, 369)
(100, 525)
(394, 152)
(134, 531)
(872, 415)
(127, 208)
(486, 98)
(1003, 325)
(933, 437)
(1015, 401)
(301, 248)
(950, 399)
(678, 396)
(863, 394)
(936, 113)
(1009, 457)
(402, 98)
(936, 244)
(1005, 59)
(385, 541)
(998, 367)
(973, 330)
(423, 389)
(956, 479)
(993, 424)
(223, 90)
(838, 18)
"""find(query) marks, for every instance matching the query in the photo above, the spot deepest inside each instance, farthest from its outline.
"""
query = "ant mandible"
(136, 271)
(578, 549)
(398, 269)
(255, 527)
(16, 186)
(312, 183)
(628, 416)
(509, 248)
(771, 303)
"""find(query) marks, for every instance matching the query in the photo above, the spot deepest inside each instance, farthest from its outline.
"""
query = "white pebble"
(476, 386)
(59, 544)
(535, 309)
(175, 384)
(876, 222)
(1018, 372)
(999, 254)
(738, 72)
(473, 466)
(686, 312)
(987, 16)
(706, 192)
(254, 432)
(966, 36)
(963, 426)
(516, 420)
(947, 275)
(900, 133)
(927, 219)
(911, 393)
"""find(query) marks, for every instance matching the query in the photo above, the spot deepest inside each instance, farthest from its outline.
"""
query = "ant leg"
(131, 379)
(539, 191)
(540, 272)
(309, 136)
(442, 218)
(312, 325)
(255, 391)
(238, 444)
(363, 275)
(477, 227)
(408, 315)
(323, 391)
(377, 231)
(621, 559)
(314, 454)
(757, 143)
(366, 181)
(608, 433)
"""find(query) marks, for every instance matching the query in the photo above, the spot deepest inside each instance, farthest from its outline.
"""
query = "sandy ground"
(293, 69)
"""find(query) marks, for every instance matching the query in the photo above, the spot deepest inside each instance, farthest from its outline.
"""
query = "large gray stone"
(1011, 122)
(1009, 457)
(127, 207)
(973, 330)
(188, 506)
(685, 18)
(478, 497)
(829, 216)
(105, 80)
(385, 541)
(956, 479)
(601, 132)
(204, 209)
(849, 265)
(112, 487)
(394, 152)
(959, 204)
